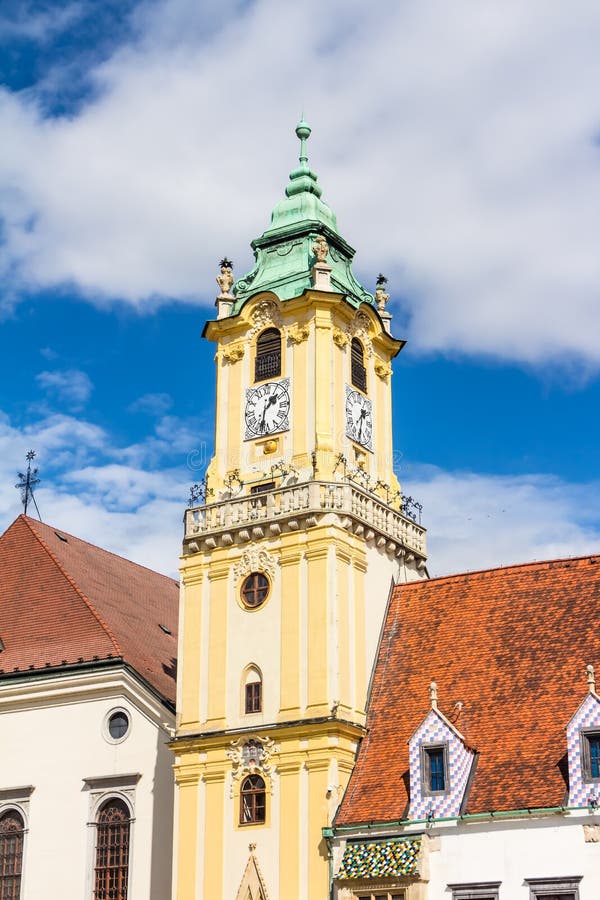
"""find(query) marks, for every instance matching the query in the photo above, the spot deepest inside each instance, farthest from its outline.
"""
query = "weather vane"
(27, 481)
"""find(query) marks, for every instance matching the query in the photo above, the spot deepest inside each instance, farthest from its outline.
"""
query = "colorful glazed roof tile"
(383, 859)
(508, 649)
(64, 601)
(284, 254)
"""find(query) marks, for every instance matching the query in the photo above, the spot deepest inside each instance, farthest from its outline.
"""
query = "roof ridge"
(101, 549)
(29, 522)
(541, 563)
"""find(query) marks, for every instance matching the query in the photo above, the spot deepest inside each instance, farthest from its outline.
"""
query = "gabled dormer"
(583, 747)
(440, 764)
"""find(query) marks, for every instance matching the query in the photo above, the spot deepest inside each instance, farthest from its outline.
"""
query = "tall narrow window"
(268, 355)
(357, 363)
(252, 690)
(12, 828)
(112, 851)
(437, 781)
(253, 800)
(434, 769)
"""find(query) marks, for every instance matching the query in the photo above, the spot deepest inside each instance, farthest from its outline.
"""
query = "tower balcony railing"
(305, 499)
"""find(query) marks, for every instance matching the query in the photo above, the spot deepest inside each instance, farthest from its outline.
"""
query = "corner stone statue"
(381, 296)
(225, 279)
(320, 248)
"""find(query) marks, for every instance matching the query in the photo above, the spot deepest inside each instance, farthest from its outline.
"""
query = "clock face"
(267, 409)
(359, 418)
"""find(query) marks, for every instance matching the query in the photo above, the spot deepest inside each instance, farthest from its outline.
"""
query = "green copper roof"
(383, 859)
(284, 255)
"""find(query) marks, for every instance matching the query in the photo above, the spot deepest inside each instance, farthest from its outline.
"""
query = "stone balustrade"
(285, 508)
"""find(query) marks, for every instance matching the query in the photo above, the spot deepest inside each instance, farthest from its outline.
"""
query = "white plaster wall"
(511, 851)
(53, 744)
(507, 851)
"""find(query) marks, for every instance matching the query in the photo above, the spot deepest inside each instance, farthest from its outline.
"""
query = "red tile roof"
(64, 601)
(512, 645)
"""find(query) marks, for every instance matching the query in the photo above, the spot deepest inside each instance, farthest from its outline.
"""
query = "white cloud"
(133, 504)
(72, 386)
(39, 25)
(152, 404)
(132, 510)
(478, 521)
(455, 141)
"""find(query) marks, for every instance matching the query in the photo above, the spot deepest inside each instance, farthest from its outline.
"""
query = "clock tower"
(287, 560)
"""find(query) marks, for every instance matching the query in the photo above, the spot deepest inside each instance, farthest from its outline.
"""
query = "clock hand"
(269, 402)
(363, 413)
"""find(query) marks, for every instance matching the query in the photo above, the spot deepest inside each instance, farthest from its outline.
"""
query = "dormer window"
(583, 748)
(590, 755)
(268, 355)
(434, 768)
(357, 364)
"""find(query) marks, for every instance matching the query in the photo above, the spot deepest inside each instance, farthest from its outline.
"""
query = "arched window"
(111, 872)
(253, 800)
(252, 690)
(12, 828)
(357, 362)
(268, 355)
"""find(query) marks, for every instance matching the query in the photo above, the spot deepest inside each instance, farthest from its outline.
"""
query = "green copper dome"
(284, 255)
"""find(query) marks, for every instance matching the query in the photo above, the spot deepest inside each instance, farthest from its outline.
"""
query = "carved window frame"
(101, 790)
(539, 888)
(385, 892)
(17, 800)
(480, 890)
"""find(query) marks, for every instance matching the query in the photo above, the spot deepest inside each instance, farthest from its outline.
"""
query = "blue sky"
(460, 150)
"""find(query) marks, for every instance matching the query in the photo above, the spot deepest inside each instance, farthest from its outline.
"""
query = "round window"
(255, 590)
(118, 725)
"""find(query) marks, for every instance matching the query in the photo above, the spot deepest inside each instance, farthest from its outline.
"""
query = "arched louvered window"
(111, 872)
(268, 355)
(12, 828)
(252, 800)
(357, 362)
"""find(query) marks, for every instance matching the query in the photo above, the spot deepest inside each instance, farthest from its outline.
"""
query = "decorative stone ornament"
(298, 333)
(233, 353)
(321, 271)
(255, 559)
(265, 313)
(320, 248)
(382, 369)
(251, 755)
(341, 338)
(381, 297)
(225, 300)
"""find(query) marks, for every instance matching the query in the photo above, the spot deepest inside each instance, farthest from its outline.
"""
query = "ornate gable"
(437, 734)
(584, 788)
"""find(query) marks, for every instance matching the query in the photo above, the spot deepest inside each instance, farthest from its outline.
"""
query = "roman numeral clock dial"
(359, 418)
(267, 409)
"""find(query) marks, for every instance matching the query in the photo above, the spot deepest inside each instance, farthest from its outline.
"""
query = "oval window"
(255, 590)
(118, 725)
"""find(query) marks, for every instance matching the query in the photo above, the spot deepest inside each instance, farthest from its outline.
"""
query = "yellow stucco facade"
(287, 561)
(328, 535)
